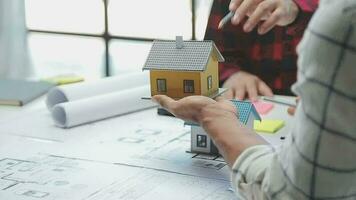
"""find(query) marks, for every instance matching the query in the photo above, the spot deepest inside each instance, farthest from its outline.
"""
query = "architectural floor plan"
(51, 177)
(139, 156)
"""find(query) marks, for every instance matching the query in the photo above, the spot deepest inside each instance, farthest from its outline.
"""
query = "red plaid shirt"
(272, 57)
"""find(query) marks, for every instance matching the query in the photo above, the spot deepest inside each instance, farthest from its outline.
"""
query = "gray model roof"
(194, 55)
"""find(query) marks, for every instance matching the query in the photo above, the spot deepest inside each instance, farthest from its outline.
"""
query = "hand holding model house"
(181, 70)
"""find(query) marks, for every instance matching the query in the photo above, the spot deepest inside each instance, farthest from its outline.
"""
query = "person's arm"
(234, 45)
(225, 40)
(314, 161)
(229, 135)
(219, 118)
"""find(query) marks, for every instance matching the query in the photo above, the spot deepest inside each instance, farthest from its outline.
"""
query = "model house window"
(201, 141)
(161, 85)
(188, 86)
(210, 82)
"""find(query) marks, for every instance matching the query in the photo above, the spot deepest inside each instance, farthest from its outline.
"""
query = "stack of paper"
(85, 102)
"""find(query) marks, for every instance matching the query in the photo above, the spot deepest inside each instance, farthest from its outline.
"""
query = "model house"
(183, 68)
(201, 142)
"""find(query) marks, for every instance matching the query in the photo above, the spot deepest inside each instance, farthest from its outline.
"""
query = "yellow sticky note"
(64, 79)
(268, 125)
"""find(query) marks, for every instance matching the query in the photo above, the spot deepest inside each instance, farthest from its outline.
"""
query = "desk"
(136, 156)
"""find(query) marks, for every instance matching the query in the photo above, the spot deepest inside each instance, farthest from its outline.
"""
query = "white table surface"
(27, 135)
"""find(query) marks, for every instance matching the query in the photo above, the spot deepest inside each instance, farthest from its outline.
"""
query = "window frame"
(106, 36)
(203, 143)
(158, 85)
(185, 84)
(210, 82)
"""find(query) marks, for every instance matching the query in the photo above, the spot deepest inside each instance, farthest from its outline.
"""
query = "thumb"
(164, 101)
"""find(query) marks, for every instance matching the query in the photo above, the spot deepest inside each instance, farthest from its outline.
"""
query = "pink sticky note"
(262, 107)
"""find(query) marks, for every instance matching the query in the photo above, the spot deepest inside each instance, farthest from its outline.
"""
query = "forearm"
(230, 136)
(234, 52)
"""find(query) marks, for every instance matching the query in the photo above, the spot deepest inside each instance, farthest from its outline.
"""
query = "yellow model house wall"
(174, 82)
(212, 69)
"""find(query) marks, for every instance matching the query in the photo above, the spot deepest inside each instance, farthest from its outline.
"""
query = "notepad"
(20, 92)
(268, 126)
(263, 107)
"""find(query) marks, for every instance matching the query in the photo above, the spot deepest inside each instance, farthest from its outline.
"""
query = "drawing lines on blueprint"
(54, 177)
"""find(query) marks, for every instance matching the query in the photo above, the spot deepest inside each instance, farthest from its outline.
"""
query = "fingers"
(252, 90)
(234, 4)
(242, 10)
(229, 94)
(165, 101)
(270, 22)
(291, 110)
(240, 92)
(263, 89)
(262, 10)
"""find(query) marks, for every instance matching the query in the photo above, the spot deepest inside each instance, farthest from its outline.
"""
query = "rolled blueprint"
(100, 107)
(83, 90)
(81, 103)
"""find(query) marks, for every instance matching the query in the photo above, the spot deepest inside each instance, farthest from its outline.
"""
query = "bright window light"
(75, 16)
(59, 54)
(55, 54)
(162, 19)
(202, 13)
(128, 56)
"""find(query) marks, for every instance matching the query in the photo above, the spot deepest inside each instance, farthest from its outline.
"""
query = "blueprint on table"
(137, 156)
(51, 177)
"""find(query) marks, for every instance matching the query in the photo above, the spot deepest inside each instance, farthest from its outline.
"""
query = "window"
(150, 19)
(106, 37)
(188, 86)
(210, 82)
(201, 141)
(161, 85)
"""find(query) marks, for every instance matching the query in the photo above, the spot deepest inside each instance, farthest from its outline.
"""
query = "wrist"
(218, 123)
(230, 142)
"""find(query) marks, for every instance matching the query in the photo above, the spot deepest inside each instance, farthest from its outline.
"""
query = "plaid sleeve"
(225, 40)
(307, 6)
(306, 10)
(317, 160)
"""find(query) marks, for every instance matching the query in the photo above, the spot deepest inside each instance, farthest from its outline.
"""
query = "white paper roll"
(81, 103)
(84, 90)
(100, 107)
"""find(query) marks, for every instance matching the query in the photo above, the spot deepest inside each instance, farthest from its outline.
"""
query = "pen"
(279, 101)
(226, 19)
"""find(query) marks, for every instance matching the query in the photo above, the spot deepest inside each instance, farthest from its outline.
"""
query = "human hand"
(218, 118)
(242, 83)
(194, 108)
(291, 110)
(273, 12)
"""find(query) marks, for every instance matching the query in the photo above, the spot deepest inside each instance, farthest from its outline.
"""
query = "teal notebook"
(20, 92)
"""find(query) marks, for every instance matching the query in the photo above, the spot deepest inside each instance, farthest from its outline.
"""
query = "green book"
(20, 92)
